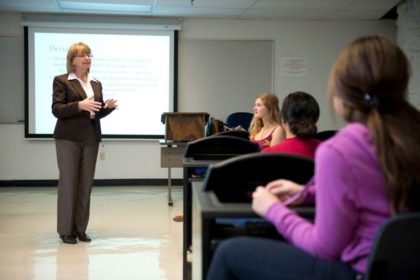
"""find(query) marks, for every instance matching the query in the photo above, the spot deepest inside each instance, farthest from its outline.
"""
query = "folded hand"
(283, 189)
(262, 200)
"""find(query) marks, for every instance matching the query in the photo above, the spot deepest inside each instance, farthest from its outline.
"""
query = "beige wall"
(317, 42)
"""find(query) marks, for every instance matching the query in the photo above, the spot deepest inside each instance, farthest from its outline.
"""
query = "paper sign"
(293, 67)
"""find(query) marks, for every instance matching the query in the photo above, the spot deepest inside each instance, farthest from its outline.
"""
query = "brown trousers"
(76, 163)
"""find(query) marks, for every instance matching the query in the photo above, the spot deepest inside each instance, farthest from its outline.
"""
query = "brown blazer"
(73, 124)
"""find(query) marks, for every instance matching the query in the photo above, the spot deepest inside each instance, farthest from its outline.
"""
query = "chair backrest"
(325, 134)
(236, 133)
(219, 148)
(395, 253)
(234, 180)
(239, 118)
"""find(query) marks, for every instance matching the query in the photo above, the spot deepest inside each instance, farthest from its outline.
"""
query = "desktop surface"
(211, 205)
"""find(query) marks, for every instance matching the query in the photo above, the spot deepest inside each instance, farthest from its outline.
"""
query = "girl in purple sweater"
(363, 175)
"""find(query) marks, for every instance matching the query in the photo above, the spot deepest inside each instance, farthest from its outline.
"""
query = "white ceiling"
(236, 9)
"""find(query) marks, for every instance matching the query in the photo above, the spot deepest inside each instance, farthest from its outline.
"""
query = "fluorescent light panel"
(106, 7)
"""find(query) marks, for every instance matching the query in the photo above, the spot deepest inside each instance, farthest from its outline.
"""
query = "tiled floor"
(134, 236)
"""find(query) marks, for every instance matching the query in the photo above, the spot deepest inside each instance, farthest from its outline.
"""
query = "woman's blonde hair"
(271, 102)
(73, 51)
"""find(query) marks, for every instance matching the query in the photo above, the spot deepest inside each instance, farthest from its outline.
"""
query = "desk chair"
(325, 134)
(239, 118)
(220, 147)
(198, 155)
(236, 133)
(395, 253)
(233, 180)
(229, 185)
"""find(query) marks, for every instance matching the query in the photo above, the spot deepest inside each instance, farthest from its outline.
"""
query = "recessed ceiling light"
(104, 7)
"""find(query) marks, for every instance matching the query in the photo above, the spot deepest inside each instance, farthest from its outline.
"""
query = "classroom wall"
(316, 43)
(408, 38)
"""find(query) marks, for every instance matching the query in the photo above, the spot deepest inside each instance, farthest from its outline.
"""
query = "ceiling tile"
(301, 5)
(287, 14)
(275, 9)
(193, 11)
(359, 14)
(207, 3)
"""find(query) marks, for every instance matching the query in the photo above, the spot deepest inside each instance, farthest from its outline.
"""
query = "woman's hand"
(110, 104)
(90, 105)
(276, 191)
(262, 200)
(283, 189)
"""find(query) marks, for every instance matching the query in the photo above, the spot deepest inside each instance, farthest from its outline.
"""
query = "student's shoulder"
(351, 139)
(278, 129)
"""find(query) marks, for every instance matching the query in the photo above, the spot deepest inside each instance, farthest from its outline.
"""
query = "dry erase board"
(223, 76)
(12, 88)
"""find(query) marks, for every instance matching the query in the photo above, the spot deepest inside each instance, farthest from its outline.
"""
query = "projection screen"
(136, 67)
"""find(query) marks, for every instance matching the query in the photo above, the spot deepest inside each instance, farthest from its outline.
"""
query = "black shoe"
(69, 239)
(83, 236)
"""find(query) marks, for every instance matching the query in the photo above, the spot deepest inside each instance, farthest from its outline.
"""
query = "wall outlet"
(102, 155)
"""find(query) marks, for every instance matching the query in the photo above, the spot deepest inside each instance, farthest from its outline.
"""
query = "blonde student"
(265, 128)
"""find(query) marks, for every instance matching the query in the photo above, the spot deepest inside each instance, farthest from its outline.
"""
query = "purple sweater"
(350, 201)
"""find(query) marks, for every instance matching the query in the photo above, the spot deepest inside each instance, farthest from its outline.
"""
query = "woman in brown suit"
(78, 106)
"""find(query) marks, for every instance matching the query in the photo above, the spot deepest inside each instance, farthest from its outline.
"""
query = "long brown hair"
(371, 77)
(271, 102)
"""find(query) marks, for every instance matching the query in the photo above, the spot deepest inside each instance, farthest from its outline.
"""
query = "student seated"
(265, 128)
(366, 173)
(299, 115)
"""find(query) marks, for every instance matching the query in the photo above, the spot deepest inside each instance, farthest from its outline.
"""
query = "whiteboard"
(12, 81)
(224, 76)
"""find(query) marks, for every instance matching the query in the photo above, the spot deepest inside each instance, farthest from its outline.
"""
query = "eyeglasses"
(84, 55)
